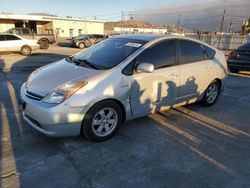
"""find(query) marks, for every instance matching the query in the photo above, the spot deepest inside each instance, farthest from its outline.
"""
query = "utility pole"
(230, 28)
(179, 20)
(223, 16)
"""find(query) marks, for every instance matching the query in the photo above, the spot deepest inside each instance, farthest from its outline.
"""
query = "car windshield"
(110, 52)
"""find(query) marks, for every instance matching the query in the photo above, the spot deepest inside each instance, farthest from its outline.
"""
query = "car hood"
(47, 78)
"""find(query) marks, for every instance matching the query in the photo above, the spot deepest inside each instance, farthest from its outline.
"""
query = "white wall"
(140, 30)
(87, 27)
(5, 26)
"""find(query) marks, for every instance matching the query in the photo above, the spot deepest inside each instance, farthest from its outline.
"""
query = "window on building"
(71, 32)
(79, 31)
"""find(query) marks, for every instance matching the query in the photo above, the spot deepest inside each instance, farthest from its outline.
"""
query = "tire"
(97, 125)
(44, 44)
(81, 45)
(26, 50)
(211, 94)
(233, 70)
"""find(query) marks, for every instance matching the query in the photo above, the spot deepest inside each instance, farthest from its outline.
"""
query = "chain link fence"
(223, 42)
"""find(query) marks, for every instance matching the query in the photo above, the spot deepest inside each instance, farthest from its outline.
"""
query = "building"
(60, 26)
(140, 30)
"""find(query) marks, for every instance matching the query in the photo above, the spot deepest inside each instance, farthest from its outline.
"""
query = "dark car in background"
(239, 59)
(87, 40)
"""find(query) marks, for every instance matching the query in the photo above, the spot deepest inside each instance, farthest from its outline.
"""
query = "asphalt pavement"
(191, 146)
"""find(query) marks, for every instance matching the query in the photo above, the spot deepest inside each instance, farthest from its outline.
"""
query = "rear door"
(195, 70)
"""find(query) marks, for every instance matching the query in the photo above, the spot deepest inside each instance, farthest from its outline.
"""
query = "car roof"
(145, 37)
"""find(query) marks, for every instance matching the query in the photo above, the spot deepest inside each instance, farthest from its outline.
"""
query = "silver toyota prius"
(124, 77)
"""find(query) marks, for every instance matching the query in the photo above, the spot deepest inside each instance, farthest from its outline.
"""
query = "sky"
(194, 14)
(102, 9)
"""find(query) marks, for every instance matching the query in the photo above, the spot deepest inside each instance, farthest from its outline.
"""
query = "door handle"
(174, 75)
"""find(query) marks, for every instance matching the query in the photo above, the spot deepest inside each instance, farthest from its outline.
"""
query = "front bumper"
(52, 120)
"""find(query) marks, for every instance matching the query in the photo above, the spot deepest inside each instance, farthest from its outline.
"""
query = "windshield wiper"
(87, 62)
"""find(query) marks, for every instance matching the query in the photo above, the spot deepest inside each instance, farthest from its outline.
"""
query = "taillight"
(233, 55)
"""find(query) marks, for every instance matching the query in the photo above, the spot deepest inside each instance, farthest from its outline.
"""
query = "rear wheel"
(26, 50)
(44, 44)
(102, 121)
(211, 94)
(81, 45)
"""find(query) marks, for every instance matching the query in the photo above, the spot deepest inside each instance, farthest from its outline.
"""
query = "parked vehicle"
(15, 43)
(43, 39)
(239, 59)
(83, 41)
(121, 78)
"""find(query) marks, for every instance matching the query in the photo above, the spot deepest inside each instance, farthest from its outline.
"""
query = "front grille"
(33, 95)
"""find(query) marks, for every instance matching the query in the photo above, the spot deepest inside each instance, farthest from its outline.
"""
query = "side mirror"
(145, 67)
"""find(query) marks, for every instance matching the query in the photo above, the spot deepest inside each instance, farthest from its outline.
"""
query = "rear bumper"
(241, 64)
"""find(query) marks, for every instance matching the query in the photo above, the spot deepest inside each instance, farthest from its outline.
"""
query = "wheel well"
(219, 81)
(25, 46)
(43, 39)
(120, 105)
(80, 43)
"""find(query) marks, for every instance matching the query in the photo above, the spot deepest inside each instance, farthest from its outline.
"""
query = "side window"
(12, 37)
(160, 55)
(191, 51)
(26, 31)
(209, 51)
(2, 38)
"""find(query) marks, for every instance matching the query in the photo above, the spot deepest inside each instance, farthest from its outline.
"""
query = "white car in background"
(15, 43)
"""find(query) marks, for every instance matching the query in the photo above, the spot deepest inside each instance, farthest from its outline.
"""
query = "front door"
(151, 92)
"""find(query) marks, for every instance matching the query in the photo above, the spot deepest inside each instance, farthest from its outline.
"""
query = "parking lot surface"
(190, 146)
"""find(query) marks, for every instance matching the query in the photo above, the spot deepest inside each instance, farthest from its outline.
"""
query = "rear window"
(209, 51)
(245, 47)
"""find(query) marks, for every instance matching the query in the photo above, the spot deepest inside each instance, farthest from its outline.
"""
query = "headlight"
(63, 92)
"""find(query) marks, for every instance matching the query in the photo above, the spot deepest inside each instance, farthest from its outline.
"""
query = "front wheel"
(81, 45)
(211, 94)
(102, 121)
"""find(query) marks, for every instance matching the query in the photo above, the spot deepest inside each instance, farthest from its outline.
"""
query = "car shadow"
(148, 151)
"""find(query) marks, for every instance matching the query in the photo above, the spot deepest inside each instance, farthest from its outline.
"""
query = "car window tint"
(12, 37)
(25, 31)
(160, 55)
(191, 51)
(209, 51)
(2, 38)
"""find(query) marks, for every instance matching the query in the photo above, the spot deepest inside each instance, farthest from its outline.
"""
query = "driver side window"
(161, 55)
